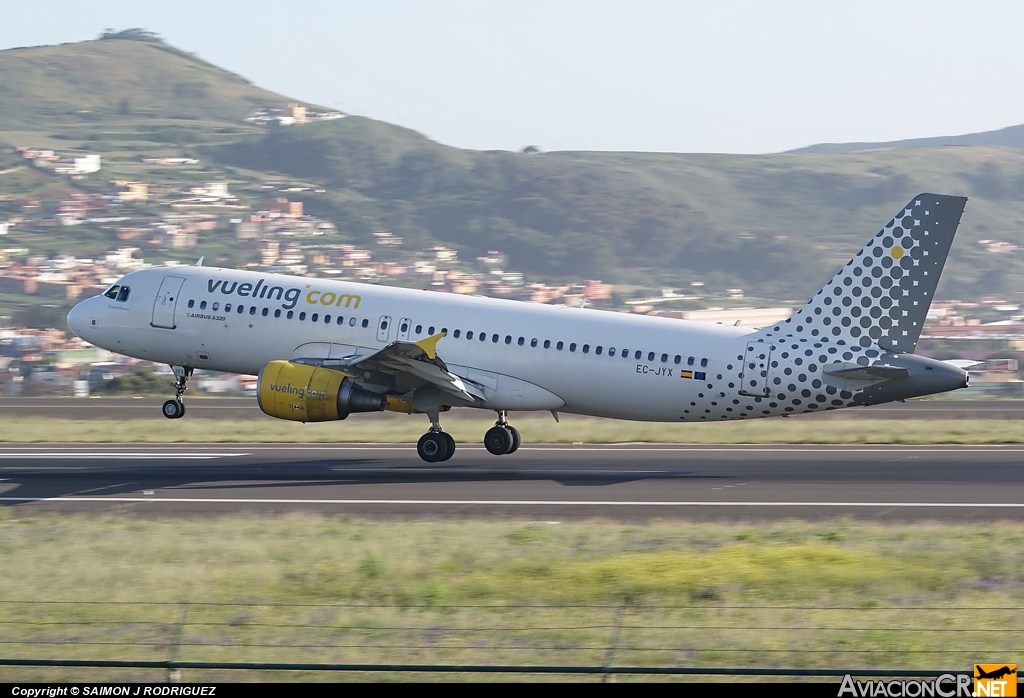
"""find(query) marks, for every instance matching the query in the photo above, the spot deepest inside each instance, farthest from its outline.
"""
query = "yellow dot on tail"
(897, 252)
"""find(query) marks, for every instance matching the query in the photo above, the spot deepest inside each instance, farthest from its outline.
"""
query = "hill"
(775, 225)
(106, 82)
(1011, 137)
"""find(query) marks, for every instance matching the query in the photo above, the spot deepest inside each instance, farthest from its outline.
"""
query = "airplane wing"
(413, 362)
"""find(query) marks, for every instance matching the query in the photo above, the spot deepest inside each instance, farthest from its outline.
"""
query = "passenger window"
(597, 350)
(403, 328)
(430, 330)
(703, 363)
(291, 314)
(277, 313)
(678, 358)
(637, 355)
(316, 316)
(111, 292)
(650, 356)
(547, 343)
(341, 320)
(444, 330)
(202, 305)
(302, 315)
(625, 353)
(419, 329)
(469, 334)
(522, 341)
(252, 310)
(241, 308)
(456, 333)
(266, 311)
(366, 323)
(216, 306)
(533, 342)
(383, 323)
(191, 303)
(352, 322)
(572, 346)
(494, 338)
(586, 348)
(327, 319)
(664, 358)
(689, 361)
(559, 346)
(508, 339)
(227, 307)
(483, 336)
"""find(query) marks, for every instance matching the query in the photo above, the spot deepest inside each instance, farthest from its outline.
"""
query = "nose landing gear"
(503, 438)
(175, 409)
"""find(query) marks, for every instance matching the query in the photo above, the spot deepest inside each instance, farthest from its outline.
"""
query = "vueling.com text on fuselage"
(288, 296)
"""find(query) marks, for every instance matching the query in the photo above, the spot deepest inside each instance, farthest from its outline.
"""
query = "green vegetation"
(302, 588)
(535, 430)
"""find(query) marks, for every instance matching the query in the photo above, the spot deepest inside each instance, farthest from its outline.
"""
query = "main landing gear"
(502, 438)
(175, 409)
(437, 446)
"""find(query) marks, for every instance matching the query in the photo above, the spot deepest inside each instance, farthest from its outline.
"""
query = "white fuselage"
(583, 373)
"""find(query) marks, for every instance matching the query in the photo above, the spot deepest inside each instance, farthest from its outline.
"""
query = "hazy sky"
(677, 76)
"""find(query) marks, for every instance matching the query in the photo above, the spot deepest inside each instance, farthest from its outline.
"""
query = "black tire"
(181, 413)
(498, 440)
(173, 409)
(432, 447)
(451, 446)
(516, 440)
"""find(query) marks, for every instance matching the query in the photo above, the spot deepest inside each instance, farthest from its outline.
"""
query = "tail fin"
(882, 295)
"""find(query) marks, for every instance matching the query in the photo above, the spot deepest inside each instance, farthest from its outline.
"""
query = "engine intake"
(305, 393)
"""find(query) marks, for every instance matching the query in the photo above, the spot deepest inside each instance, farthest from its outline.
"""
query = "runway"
(968, 483)
(246, 408)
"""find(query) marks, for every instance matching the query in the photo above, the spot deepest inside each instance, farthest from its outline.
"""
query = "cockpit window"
(118, 293)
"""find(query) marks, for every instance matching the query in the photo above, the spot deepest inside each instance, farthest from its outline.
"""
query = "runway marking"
(645, 448)
(117, 455)
(520, 502)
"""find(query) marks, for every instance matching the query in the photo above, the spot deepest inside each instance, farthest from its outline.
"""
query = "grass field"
(535, 429)
(316, 589)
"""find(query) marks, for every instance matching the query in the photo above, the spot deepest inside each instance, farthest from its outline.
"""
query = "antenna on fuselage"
(199, 262)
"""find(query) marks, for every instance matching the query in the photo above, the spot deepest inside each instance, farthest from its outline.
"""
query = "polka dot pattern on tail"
(881, 297)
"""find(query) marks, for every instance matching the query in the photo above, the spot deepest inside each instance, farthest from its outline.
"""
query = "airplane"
(324, 349)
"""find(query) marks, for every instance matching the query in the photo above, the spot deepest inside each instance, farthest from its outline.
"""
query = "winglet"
(429, 344)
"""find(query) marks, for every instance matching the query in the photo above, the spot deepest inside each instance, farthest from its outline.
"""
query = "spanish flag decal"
(686, 374)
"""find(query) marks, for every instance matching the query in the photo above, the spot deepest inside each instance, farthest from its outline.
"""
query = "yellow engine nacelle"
(304, 393)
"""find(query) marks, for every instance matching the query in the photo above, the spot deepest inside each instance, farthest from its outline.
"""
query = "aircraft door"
(404, 326)
(166, 300)
(383, 328)
(755, 374)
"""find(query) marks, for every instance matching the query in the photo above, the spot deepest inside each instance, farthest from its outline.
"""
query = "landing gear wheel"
(451, 446)
(433, 447)
(498, 440)
(516, 440)
(173, 409)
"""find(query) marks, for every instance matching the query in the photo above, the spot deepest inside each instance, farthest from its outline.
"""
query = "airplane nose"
(78, 319)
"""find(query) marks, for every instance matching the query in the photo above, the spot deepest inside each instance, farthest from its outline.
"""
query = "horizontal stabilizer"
(869, 374)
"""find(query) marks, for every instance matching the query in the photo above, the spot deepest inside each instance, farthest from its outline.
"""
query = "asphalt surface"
(246, 408)
(968, 483)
